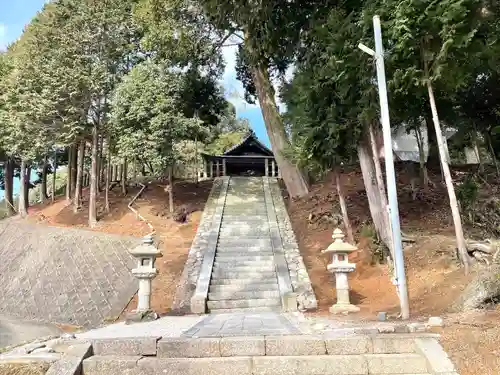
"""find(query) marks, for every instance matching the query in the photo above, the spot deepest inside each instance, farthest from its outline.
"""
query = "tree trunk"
(124, 177)
(378, 168)
(74, 161)
(377, 209)
(109, 172)
(424, 175)
(23, 207)
(100, 165)
(433, 157)
(476, 148)
(493, 154)
(43, 185)
(27, 183)
(343, 207)
(292, 176)
(69, 188)
(9, 186)
(171, 189)
(457, 221)
(79, 178)
(54, 177)
(384, 213)
(93, 178)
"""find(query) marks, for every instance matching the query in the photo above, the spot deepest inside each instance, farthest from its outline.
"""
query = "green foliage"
(224, 142)
(147, 119)
(467, 193)
(331, 97)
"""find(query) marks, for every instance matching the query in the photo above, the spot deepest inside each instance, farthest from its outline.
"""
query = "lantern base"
(343, 308)
(141, 316)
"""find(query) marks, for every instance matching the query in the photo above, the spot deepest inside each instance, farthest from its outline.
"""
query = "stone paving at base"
(239, 324)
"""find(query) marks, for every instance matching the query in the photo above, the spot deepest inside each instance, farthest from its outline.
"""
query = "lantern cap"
(145, 250)
(338, 245)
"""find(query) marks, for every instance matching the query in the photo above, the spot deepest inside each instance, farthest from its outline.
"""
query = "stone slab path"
(63, 275)
(239, 324)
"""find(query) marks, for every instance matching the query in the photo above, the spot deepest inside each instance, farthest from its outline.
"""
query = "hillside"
(435, 279)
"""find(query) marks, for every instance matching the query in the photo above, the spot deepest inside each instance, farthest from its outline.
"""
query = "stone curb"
(288, 345)
(71, 362)
(437, 359)
(199, 298)
(263, 365)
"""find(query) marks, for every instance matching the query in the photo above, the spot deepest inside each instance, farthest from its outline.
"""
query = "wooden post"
(224, 172)
(273, 168)
(266, 166)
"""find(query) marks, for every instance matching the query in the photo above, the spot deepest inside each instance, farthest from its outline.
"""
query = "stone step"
(233, 263)
(249, 310)
(337, 342)
(243, 222)
(258, 364)
(253, 268)
(244, 258)
(239, 242)
(243, 237)
(228, 274)
(227, 218)
(247, 247)
(237, 288)
(218, 296)
(243, 251)
(243, 303)
(244, 282)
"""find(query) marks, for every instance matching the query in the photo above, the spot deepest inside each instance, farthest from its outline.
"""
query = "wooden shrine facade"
(248, 158)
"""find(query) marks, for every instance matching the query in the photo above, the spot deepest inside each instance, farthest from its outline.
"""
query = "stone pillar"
(273, 168)
(145, 272)
(279, 171)
(266, 166)
(217, 168)
(341, 267)
(224, 172)
(204, 173)
(211, 169)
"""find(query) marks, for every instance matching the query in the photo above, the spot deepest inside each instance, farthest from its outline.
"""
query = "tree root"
(486, 251)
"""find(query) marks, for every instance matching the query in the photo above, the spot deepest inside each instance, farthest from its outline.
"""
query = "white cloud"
(234, 91)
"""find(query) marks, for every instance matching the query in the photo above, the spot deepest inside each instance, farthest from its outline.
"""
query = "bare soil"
(174, 238)
(24, 369)
(435, 278)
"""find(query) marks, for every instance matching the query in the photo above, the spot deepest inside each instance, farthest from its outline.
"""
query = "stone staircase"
(244, 275)
(401, 354)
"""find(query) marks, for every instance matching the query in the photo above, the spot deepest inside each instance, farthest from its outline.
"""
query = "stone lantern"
(341, 267)
(145, 271)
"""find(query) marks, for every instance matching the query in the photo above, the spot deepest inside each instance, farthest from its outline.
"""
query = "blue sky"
(15, 14)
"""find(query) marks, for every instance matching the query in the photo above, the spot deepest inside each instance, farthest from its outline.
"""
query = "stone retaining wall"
(301, 282)
(189, 277)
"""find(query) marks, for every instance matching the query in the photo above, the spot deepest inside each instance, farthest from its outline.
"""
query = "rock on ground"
(484, 289)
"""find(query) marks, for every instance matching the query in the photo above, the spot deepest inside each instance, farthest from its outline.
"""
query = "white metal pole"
(390, 174)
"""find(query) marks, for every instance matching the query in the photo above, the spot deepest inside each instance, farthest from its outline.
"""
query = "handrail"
(137, 214)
